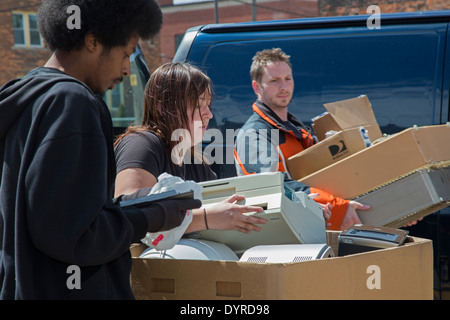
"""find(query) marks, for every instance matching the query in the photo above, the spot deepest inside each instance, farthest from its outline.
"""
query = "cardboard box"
(345, 117)
(404, 272)
(384, 162)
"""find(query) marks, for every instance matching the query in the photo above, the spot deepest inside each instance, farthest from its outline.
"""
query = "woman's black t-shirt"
(145, 150)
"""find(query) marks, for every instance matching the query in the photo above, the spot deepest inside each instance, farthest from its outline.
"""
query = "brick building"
(354, 7)
(21, 48)
(180, 15)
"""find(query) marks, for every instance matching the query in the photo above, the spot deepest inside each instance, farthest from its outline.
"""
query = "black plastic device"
(361, 238)
(145, 200)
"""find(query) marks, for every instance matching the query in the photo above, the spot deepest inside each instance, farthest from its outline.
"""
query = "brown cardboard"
(345, 117)
(324, 123)
(347, 114)
(325, 153)
(352, 112)
(383, 162)
(404, 272)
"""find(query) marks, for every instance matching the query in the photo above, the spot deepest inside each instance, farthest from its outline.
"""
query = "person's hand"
(351, 216)
(227, 215)
(326, 208)
(172, 213)
(412, 223)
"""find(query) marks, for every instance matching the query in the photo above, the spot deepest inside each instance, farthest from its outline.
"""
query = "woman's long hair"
(170, 91)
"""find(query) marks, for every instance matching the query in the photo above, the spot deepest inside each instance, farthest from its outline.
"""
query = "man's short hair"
(264, 58)
(112, 22)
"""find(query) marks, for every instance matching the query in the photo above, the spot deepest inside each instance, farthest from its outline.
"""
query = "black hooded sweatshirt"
(61, 235)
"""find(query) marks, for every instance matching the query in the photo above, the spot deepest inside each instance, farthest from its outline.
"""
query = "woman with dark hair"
(176, 115)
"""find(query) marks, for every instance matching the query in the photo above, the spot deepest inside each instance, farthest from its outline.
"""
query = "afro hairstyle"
(112, 22)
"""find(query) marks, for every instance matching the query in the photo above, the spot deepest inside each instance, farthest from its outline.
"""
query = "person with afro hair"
(62, 235)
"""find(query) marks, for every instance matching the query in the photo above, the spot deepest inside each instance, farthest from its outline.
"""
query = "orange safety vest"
(290, 144)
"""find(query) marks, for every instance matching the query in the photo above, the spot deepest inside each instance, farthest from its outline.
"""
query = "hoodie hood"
(18, 94)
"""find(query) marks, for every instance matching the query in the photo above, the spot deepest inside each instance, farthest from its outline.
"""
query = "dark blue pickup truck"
(402, 65)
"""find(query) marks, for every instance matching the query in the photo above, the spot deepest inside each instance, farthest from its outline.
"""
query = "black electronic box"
(361, 238)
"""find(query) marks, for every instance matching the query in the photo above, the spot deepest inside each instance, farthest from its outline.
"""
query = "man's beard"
(274, 104)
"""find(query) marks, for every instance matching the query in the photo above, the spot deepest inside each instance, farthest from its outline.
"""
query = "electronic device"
(193, 249)
(407, 199)
(285, 253)
(361, 238)
(145, 200)
(291, 217)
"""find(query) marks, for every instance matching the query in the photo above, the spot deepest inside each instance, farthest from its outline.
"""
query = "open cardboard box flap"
(347, 114)
(352, 112)
(345, 117)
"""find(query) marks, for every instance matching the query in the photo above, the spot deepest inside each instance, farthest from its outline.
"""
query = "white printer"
(292, 217)
(286, 253)
(193, 249)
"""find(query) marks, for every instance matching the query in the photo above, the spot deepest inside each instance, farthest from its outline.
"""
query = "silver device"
(287, 253)
(291, 217)
(193, 249)
(407, 199)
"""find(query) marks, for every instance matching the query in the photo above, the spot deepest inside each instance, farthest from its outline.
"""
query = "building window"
(25, 29)
(35, 37)
(19, 32)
